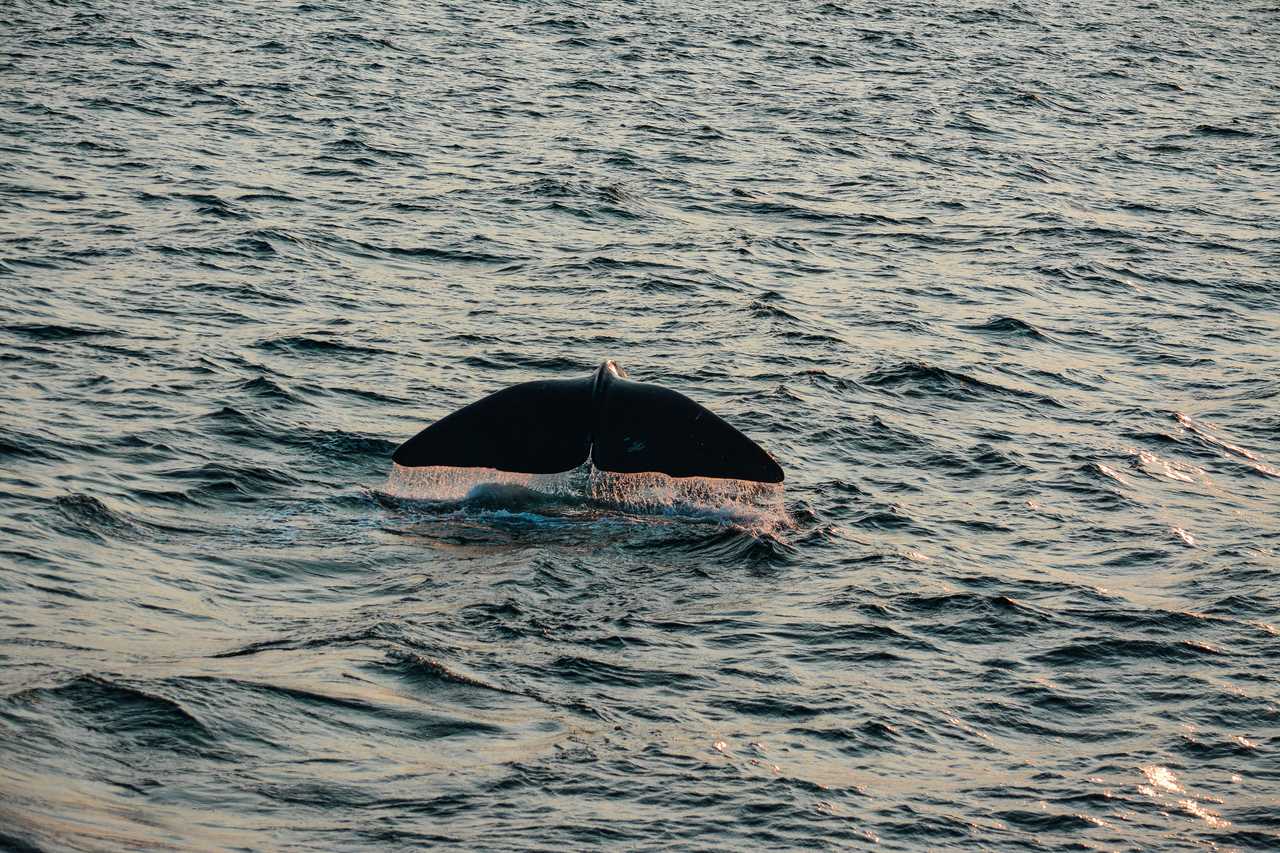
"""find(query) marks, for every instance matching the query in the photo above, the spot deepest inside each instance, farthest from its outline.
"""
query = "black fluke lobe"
(622, 426)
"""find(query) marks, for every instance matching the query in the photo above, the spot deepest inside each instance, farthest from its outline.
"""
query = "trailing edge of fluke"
(554, 425)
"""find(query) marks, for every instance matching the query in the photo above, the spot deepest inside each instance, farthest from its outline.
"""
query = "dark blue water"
(996, 284)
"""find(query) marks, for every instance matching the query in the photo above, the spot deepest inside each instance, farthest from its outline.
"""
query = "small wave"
(55, 331)
(1009, 327)
(233, 481)
(100, 147)
(735, 544)
(28, 446)
(304, 344)
(1220, 130)
(380, 633)
(233, 423)
(583, 670)
(416, 667)
(92, 516)
(766, 311)
(1229, 449)
(561, 24)
(1119, 649)
(1167, 469)
(341, 37)
(340, 443)
(264, 389)
(126, 712)
(315, 172)
(366, 394)
(1099, 469)
(920, 379)
(433, 253)
(508, 360)
(359, 146)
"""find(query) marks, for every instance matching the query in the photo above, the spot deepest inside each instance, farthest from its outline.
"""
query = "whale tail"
(622, 426)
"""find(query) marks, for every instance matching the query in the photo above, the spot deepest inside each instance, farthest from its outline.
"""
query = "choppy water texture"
(996, 284)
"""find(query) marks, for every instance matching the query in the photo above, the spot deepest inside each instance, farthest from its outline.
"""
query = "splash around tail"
(588, 492)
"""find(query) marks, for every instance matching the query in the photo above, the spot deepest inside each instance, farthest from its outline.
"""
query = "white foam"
(739, 501)
(736, 500)
(448, 483)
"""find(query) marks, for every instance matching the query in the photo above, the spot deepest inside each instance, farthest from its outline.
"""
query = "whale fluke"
(539, 427)
(555, 425)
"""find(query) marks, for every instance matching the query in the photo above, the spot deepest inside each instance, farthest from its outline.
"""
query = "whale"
(550, 426)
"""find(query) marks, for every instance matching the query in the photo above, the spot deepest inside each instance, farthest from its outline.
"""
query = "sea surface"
(997, 284)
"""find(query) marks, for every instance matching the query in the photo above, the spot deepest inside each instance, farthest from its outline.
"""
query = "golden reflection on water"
(1161, 782)
(1162, 778)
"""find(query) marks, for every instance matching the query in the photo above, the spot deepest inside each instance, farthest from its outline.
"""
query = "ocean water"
(996, 284)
